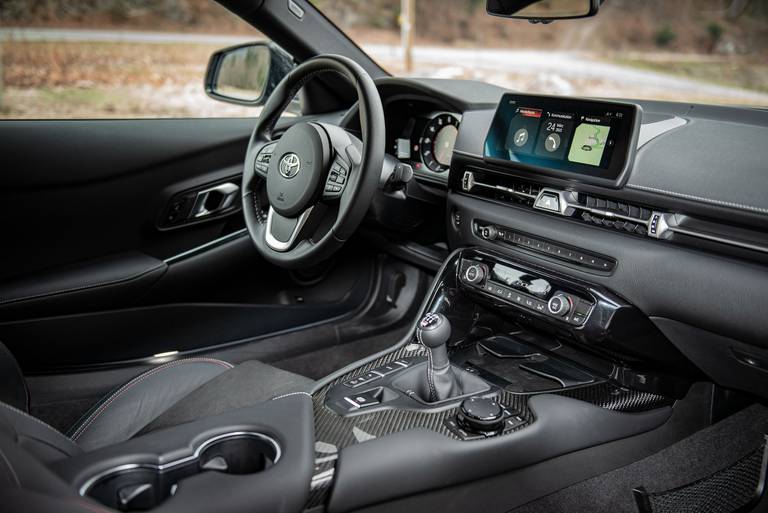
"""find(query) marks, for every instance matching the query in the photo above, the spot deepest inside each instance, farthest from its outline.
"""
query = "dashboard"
(667, 207)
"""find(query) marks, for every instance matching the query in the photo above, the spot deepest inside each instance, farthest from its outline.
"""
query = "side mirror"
(246, 74)
(543, 11)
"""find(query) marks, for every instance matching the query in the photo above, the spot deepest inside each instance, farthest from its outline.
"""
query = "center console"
(505, 359)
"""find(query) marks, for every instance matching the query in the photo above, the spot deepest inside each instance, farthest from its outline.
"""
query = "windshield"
(703, 51)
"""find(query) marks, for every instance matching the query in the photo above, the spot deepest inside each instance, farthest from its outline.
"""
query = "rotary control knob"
(474, 274)
(481, 415)
(559, 304)
(489, 232)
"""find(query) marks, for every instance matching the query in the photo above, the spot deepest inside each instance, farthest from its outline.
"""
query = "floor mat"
(691, 459)
(733, 489)
(318, 364)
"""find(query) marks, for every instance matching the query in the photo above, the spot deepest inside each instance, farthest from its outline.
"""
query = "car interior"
(419, 294)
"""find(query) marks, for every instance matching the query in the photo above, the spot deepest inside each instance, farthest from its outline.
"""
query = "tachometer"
(437, 140)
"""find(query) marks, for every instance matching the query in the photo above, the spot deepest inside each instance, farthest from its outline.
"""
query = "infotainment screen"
(543, 133)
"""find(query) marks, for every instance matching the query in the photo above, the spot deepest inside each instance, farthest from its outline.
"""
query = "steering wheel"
(305, 193)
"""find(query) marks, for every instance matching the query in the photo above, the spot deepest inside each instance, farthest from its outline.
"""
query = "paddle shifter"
(433, 332)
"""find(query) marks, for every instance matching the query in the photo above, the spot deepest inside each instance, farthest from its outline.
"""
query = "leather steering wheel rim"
(364, 160)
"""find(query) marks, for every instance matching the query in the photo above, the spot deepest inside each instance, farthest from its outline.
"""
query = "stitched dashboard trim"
(702, 199)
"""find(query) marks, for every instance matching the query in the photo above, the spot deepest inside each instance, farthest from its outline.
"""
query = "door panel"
(91, 275)
(96, 284)
(76, 190)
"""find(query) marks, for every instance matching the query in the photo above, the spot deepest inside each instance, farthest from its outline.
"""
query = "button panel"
(576, 314)
(377, 373)
(263, 158)
(337, 180)
(552, 249)
(361, 380)
(389, 368)
(364, 399)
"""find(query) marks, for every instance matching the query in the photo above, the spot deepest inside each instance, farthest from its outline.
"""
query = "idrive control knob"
(481, 414)
(559, 304)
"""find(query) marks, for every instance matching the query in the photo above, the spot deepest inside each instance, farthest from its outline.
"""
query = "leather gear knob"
(434, 330)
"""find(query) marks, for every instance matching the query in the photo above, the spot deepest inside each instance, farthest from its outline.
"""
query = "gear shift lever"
(443, 380)
(433, 332)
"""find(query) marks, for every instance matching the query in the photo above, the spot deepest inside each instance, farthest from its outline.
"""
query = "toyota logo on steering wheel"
(290, 165)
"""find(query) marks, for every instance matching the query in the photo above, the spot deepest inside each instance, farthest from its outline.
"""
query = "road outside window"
(707, 51)
(113, 58)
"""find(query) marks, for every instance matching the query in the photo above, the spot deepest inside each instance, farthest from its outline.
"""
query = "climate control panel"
(527, 290)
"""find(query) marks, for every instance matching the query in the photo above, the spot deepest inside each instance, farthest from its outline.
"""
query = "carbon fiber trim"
(326, 456)
(334, 430)
(611, 397)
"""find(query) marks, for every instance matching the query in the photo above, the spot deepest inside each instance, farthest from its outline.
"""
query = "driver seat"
(165, 395)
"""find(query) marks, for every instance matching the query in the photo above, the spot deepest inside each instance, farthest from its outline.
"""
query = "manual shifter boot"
(434, 331)
(437, 380)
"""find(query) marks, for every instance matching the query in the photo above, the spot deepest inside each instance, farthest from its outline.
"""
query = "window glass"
(708, 51)
(113, 58)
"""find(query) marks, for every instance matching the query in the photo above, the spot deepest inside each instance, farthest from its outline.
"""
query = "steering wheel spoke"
(283, 233)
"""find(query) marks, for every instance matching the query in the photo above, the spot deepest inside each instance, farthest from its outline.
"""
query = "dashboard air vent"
(613, 214)
(501, 188)
(595, 210)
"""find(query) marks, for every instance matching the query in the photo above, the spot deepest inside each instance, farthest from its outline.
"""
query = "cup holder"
(141, 486)
(241, 455)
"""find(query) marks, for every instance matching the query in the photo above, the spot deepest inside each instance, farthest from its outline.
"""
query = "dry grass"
(43, 64)
(107, 80)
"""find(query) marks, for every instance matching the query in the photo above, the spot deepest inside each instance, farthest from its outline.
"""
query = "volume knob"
(560, 304)
(474, 274)
(489, 232)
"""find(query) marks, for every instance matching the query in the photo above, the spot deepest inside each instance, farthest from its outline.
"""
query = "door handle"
(214, 200)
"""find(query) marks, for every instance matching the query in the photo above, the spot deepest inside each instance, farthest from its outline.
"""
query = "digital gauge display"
(437, 141)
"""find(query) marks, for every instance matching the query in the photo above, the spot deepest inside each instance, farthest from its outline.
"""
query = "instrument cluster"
(425, 140)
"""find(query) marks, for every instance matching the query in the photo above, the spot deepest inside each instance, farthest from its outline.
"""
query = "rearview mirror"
(543, 11)
(246, 74)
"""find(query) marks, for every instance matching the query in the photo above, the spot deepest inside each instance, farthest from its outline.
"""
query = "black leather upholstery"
(169, 394)
(35, 436)
(13, 388)
(248, 383)
(125, 411)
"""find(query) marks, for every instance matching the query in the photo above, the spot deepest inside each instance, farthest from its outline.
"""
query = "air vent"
(613, 214)
(616, 215)
(595, 210)
(501, 188)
